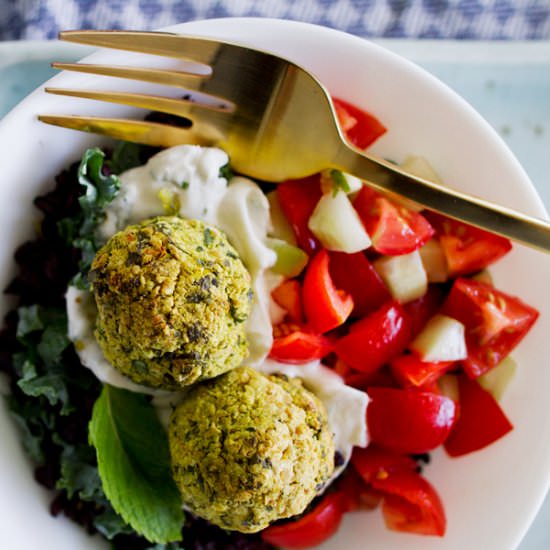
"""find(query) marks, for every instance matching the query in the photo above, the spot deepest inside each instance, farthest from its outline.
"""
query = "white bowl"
(491, 496)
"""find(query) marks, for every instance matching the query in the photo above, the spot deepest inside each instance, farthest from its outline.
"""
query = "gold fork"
(273, 118)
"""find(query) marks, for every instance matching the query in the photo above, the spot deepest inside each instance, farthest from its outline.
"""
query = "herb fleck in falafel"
(248, 449)
(172, 298)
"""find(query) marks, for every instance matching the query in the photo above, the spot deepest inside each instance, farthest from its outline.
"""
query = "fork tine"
(156, 43)
(173, 106)
(181, 79)
(138, 131)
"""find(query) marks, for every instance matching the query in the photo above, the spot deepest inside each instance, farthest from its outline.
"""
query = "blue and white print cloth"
(452, 19)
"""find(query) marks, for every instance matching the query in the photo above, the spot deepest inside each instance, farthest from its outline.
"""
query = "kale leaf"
(42, 333)
(79, 231)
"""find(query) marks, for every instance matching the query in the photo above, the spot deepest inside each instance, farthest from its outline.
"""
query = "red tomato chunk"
(393, 229)
(495, 323)
(411, 504)
(298, 198)
(467, 248)
(311, 529)
(299, 346)
(374, 462)
(354, 274)
(376, 339)
(360, 127)
(409, 422)
(326, 307)
(410, 371)
(481, 420)
(288, 295)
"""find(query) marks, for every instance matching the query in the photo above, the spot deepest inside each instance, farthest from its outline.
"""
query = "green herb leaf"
(52, 386)
(28, 417)
(226, 172)
(29, 320)
(339, 182)
(208, 236)
(169, 546)
(125, 155)
(53, 342)
(99, 191)
(79, 475)
(134, 464)
(110, 524)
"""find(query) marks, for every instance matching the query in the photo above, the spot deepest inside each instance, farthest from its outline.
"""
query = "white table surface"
(507, 82)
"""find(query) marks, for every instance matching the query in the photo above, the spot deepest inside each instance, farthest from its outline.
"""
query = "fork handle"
(385, 176)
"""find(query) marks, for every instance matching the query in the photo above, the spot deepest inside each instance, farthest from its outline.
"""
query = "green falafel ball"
(248, 449)
(172, 297)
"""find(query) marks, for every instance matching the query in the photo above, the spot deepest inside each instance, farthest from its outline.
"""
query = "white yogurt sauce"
(185, 180)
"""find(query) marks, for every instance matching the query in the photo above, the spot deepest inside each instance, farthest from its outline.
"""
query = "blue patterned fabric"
(456, 19)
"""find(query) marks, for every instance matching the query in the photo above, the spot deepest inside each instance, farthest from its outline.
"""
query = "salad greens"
(134, 464)
(52, 396)
(99, 190)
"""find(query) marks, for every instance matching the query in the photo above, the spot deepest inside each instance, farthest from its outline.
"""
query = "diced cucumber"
(404, 276)
(417, 166)
(280, 226)
(483, 276)
(497, 379)
(434, 261)
(334, 180)
(442, 339)
(291, 260)
(337, 225)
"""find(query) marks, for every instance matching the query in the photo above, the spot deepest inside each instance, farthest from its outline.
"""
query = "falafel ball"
(248, 449)
(172, 298)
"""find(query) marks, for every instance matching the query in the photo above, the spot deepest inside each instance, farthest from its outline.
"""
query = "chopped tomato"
(424, 308)
(410, 371)
(495, 322)
(467, 248)
(325, 306)
(374, 462)
(411, 504)
(481, 420)
(356, 494)
(393, 229)
(298, 198)
(409, 422)
(356, 275)
(293, 344)
(312, 528)
(360, 127)
(364, 380)
(288, 295)
(375, 339)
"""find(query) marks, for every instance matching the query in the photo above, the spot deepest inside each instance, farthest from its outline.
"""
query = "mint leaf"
(134, 464)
